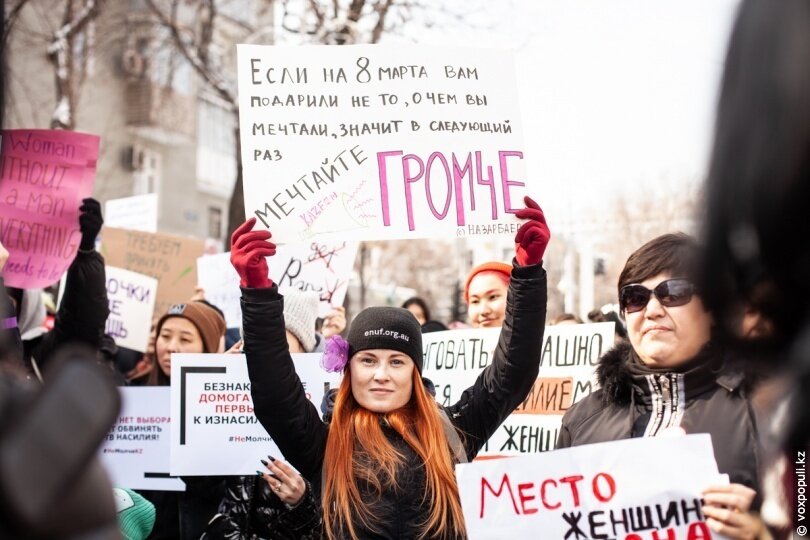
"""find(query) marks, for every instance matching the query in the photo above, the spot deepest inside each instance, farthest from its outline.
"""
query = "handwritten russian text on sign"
(214, 431)
(370, 142)
(172, 260)
(454, 359)
(132, 301)
(44, 175)
(637, 489)
(138, 213)
(136, 451)
(324, 268)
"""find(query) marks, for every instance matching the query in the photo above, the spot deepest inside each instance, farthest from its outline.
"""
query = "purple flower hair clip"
(335, 354)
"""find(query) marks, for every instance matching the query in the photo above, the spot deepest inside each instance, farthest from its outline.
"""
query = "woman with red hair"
(384, 466)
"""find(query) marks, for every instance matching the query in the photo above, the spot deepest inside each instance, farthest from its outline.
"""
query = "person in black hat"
(384, 465)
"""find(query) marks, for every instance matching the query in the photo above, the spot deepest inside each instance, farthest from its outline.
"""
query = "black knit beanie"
(387, 328)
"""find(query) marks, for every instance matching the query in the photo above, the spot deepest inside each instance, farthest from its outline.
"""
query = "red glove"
(248, 251)
(533, 236)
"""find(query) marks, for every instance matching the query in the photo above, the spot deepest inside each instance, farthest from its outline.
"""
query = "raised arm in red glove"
(533, 236)
(248, 251)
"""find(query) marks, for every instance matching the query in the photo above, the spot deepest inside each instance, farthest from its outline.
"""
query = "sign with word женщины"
(635, 489)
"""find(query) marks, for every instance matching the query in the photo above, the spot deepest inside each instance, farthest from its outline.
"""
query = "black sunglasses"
(670, 293)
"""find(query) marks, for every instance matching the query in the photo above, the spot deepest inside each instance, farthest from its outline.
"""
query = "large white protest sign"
(370, 142)
(321, 267)
(637, 489)
(214, 431)
(131, 298)
(138, 213)
(136, 451)
(454, 359)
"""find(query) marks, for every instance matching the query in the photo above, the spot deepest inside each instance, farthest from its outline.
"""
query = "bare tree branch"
(319, 16)
(60, 52)
(192, 56)
(207, 31)
(382, 10)
(11, 18)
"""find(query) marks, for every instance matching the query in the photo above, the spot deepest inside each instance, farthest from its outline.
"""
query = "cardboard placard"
(172, 260)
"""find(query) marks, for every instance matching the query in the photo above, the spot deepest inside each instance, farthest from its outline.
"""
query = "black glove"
(90, 222)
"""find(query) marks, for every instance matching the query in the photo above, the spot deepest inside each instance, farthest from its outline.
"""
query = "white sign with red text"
(136, 450)
(636, 489)
(214, 430)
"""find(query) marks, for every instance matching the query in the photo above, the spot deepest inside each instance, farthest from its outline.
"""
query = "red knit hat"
(492, 266)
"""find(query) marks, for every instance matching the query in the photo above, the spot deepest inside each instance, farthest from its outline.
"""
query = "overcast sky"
(613, 93)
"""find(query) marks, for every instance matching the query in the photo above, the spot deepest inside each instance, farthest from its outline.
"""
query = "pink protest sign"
(44, 175)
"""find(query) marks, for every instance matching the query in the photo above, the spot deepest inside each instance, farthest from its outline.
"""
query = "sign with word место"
(636, 489)
(365, 142)
(454, 359)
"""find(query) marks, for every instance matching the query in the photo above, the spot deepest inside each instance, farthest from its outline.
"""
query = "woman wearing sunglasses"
(670, 378)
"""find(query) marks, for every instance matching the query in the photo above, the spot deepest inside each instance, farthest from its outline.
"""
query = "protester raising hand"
(90, 222)
(248, 251)
(533, 236)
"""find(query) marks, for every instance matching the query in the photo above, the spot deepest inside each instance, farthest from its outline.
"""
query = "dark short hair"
(419, 302)
(676, 253)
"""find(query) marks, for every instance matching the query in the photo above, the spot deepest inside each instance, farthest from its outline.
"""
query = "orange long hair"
(354, 428)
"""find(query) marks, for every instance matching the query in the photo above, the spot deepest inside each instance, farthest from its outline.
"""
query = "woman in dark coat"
(386, 460)
(185, 328)
(670, 377)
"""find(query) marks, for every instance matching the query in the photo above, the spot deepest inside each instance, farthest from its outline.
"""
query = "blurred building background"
(156, 79)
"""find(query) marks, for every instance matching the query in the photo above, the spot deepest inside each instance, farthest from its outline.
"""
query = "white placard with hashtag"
(213, 428)
(136, 450)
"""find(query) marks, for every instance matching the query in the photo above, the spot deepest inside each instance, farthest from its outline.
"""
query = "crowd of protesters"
(377, 461)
